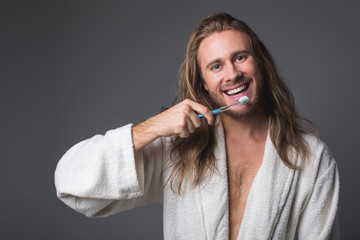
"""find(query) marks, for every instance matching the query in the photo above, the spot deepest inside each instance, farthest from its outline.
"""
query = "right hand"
(181, 120)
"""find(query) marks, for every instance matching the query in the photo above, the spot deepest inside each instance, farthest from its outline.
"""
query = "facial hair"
(251, 107)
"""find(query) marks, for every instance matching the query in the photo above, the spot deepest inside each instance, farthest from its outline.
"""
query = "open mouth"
(238, 90)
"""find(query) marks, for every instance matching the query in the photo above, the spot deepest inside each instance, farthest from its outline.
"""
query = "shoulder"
(318, 149)
(319, 173)
(320, 159)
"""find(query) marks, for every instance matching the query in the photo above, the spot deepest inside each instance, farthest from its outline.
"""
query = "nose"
(232, 73)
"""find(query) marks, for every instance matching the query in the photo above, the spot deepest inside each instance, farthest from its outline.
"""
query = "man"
(253, 172)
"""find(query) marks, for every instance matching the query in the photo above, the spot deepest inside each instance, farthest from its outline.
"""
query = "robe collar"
(267, 197)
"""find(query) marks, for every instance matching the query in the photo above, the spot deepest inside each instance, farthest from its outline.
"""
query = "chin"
(238, 115)
(248, 110)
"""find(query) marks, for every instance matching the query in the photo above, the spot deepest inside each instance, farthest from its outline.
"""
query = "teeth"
(236, 90)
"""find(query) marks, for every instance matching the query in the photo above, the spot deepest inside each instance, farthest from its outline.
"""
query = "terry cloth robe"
(102, 176)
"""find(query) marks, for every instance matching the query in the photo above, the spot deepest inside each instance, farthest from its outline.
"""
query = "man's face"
(230, 71)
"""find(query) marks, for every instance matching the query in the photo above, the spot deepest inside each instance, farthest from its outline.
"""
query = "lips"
(237, 90)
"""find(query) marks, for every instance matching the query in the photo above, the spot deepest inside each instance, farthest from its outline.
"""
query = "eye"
(215, 67)
(240, 58)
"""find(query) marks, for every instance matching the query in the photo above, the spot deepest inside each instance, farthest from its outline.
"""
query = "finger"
(181, 128)
(199, 108)
(190, 125)
(184, 133)
(196, 121)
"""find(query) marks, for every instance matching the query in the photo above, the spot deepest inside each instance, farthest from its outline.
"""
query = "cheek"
(211, 87)
(253, 68)
(255, 72)
(205, 85)
(210, 84)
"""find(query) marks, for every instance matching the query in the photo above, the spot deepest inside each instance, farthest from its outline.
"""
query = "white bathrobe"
(102, 176)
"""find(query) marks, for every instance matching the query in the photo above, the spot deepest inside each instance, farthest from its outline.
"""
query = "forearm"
(99, 170)
(144, 133)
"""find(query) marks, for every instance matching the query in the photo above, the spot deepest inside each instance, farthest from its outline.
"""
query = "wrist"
(143, 134)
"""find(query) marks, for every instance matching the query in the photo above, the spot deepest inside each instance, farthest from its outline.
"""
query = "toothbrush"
(242, 100)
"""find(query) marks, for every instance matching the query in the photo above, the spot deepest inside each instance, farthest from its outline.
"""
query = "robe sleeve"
(319, 219)
(102, 175)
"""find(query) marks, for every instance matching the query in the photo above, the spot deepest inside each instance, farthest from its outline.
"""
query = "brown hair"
(193, 157)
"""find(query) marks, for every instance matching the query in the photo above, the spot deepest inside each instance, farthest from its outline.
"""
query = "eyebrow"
(232, 55)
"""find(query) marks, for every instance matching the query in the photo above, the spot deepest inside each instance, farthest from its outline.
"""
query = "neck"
(253, 127)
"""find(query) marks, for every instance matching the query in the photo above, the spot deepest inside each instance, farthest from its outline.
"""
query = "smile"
(237, 90)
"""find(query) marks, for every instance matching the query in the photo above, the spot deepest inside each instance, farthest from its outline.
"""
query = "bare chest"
(243, 164)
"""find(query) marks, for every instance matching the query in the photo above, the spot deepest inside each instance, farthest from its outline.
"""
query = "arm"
(319, 218)
(96, 173)
(121, 170)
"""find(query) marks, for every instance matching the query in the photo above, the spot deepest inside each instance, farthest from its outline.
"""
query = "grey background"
(73, 69)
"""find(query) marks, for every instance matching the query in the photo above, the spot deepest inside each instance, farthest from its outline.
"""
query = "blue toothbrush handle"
(214, 111)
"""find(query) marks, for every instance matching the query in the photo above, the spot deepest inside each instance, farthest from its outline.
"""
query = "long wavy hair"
(192, 157)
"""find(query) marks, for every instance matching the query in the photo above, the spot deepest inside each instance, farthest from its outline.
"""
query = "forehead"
(222, 44)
